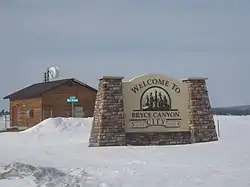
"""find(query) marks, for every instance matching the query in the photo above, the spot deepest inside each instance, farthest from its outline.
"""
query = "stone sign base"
(108, 128)
(158, 138)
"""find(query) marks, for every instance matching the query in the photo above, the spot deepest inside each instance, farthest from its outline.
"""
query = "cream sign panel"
(155, 103)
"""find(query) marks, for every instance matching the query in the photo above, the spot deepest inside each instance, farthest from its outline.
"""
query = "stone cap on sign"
(195, 79)
(111, 77)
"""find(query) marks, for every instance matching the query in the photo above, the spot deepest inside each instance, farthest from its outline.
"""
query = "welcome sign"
(155, 103)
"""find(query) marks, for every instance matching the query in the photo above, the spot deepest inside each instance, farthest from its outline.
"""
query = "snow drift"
(61, 125)
(54, 130)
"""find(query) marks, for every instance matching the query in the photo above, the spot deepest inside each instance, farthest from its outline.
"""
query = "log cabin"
(40, 101)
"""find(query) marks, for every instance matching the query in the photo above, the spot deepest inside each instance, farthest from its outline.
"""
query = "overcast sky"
(89, 39)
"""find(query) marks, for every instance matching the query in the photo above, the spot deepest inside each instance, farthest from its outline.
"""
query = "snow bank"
(60, 125)
(62, 129)
(52, 131)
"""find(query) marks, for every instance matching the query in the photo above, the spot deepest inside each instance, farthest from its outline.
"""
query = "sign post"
(72, 100)
(5, 122)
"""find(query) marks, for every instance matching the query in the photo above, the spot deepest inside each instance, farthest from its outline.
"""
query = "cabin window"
(31, 113)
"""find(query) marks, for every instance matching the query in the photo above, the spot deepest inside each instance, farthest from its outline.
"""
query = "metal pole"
(218, 127)
(5, 121)
(72, 105)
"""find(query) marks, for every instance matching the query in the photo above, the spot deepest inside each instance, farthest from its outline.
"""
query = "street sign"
(72, 99)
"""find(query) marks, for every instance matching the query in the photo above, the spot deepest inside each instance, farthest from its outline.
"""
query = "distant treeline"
(3, 113)
(238, 110)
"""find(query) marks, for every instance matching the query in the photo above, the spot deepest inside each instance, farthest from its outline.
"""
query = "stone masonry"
(202, 127)
(108, 128)
(108, 122)
(158, 138)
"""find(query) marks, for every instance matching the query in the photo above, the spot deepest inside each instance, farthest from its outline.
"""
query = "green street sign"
(72, 99)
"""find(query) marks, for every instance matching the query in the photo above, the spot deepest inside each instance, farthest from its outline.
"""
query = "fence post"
(51, 114)
(218, 128)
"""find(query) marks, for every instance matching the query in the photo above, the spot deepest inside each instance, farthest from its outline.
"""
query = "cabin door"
(14, 115)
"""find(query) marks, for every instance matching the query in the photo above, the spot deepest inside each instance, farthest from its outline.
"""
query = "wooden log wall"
(55, 101)
(24, 110)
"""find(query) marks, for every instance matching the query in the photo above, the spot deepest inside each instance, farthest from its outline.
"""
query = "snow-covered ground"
(56, 152)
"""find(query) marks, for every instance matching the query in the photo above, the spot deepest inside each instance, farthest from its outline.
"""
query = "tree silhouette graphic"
(155, 100)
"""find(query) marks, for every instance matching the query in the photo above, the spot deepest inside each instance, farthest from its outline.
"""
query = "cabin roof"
(36, 90)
